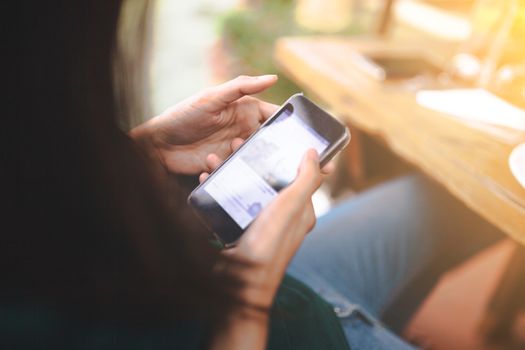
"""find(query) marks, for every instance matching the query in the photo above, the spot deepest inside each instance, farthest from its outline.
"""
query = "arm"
(265, 250)
(241, 329)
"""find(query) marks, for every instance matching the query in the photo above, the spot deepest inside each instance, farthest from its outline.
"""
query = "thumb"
(309, 176)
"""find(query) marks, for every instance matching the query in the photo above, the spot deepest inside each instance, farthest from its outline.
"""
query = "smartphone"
(234, 194)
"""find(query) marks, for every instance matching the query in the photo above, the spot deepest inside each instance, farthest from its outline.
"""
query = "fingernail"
(267, 77)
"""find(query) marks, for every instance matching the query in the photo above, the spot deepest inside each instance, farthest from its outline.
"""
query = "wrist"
(248, 313)
(144, 137)
(257, 289)
(241, 328)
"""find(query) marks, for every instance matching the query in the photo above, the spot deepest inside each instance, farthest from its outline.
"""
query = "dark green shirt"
(300, 319)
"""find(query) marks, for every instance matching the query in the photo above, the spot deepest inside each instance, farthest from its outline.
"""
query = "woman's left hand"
(210, 122)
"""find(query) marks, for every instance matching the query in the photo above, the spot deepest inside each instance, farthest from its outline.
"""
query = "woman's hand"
(289, 214)
(182, 136)
(261, 258)
(274, 237)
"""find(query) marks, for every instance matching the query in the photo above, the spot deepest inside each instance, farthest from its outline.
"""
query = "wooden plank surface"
(470, 160)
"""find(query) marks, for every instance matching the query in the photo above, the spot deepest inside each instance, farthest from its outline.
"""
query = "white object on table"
(476, 105)
(517, 163)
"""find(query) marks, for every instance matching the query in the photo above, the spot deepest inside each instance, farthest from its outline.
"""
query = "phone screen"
(265, 164)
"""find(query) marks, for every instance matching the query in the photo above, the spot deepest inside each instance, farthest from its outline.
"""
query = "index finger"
(220, 96)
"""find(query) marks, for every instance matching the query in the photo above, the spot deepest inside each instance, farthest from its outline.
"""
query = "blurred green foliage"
(249, 35)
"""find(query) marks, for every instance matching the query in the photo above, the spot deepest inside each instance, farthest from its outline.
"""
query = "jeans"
(375, 257)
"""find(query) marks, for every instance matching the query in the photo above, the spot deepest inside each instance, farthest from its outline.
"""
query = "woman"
(105, 254)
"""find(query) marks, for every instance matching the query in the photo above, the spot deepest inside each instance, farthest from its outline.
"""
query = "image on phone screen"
(262, 167)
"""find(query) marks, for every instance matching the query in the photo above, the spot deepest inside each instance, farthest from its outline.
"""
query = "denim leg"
(362, 335)
(385, 249)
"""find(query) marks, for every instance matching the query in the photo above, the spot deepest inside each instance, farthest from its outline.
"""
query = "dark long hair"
(93, 233)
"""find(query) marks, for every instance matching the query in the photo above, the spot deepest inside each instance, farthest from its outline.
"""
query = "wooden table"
(471, 161)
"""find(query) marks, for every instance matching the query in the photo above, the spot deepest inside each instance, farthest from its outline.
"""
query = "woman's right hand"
(262, 255)
(273, 238)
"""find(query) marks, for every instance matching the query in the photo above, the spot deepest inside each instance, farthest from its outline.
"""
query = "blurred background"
(194, 44)
(183, 36)
(203, 42)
